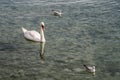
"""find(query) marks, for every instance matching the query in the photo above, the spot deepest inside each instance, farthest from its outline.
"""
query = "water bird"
(57, 13)
(34, 35)
(90, 69)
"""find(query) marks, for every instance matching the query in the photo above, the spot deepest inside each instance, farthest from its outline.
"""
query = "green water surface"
(87, 33)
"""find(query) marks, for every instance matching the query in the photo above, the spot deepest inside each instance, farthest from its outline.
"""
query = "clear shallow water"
(88, 32)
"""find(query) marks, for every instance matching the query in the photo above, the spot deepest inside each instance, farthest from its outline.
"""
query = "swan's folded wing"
(32, 35)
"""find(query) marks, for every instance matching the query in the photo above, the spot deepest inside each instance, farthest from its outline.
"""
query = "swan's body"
(90, 69)
(34, 35)
(57, 13)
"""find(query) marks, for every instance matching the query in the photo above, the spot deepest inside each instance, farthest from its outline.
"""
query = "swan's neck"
(42, 35)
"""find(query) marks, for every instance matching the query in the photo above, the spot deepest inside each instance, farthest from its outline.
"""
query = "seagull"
(34, 35)
(57, 13)
(90, 69)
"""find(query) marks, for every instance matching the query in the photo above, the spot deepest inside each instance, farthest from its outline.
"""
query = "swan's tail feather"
(24, 30)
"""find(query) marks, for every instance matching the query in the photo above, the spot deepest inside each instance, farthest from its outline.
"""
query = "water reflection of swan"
(57, 13)
(90, 69)
(34, 35)
(42, 49)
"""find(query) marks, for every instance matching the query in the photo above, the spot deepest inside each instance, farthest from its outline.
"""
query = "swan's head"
(42, 25)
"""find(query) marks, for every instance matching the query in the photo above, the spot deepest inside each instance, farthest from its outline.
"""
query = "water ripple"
(46, 3)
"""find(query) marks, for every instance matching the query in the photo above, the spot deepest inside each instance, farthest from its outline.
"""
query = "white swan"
(34, 35)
